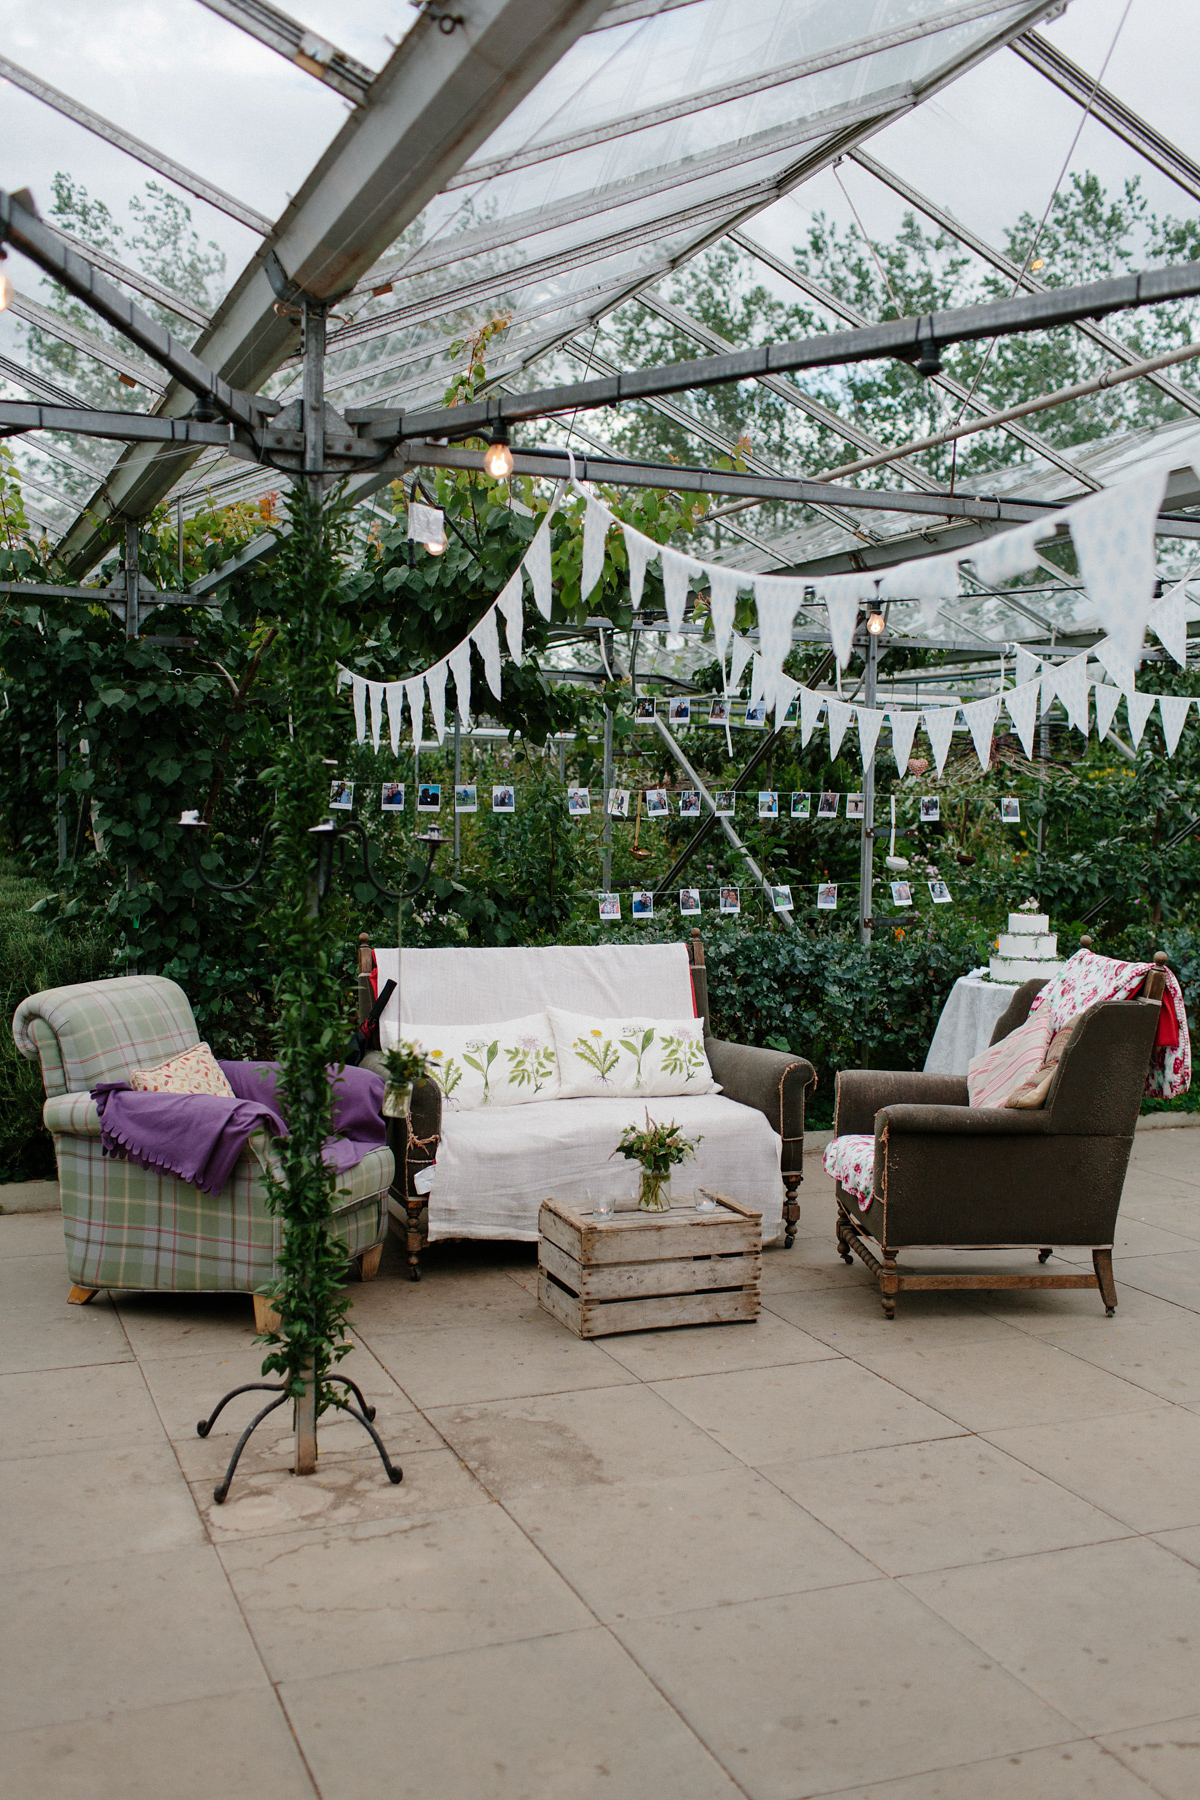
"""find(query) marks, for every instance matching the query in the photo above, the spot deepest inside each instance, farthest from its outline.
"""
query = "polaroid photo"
(429, 796)
(466, 798)
(827, 897)
(579, 801)
(768, 805)
(757, 715)
(644, 709)
(801, 806)
(689, 803)
(781, 899)
(901, 894)
(731, 900)
(689, 902)
(618, 803)
(679, 712)
(1010, 810)
(341, 796)
(723, 803)
(827, 806)
(641, 904)
(931, 810)
(504, 800)
(718, 712)
(392, 796)
(856, 806)
(792, 715)
(939, 893)
(610, 906)
(658, 806)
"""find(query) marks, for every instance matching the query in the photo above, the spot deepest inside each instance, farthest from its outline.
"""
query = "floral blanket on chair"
(851, 1161)
(1088, 978)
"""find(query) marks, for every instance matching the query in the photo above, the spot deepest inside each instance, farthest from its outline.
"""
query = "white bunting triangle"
(511, 603)
(415, 689)
(395, 711)
(1110, 656)
(1071, 685)
(595, 530)
(810, 713)
(870, 723)
(840, 716)
(723, 585)
(785, 692)
(435, 681)
(843, 595)
(1027, 665)
(1010, 553)
(487, 642)
(1021, 705)
(1168, 622)
(1107, 701)
(677, 573)
(460, 667)
(358, 692)
(939, 723)
(1048, 688)
(638, 549)
(1173, 710)
(904, 730)
(1113, 533)
(980, 716)
(932, 580)
(776, 598)
(758, 673)
(537, 567)
(743, 650)
(1138, 707)
(375, 690)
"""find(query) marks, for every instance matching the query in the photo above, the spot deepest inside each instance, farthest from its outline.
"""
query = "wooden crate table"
(641, 1271)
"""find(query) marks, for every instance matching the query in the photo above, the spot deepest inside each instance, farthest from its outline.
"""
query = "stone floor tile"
(32, 1234)
(1142, 1468)
(1185, 1542)
(321, 1601)
(208, 1749)
(1133, 1237)
(1106, 1633)
(807, 1273)
(932, 1506)
(561, 1441)
(1166, 1756)
(443, 1297)
(712, 1349)
(1175, 1278)
(344, 1490)
(1006, 1382)
(1177, 1210)
(100, 1503)
(174, 1325)
(541, 1720)
(494, 1359)
(649, 1547)
(1163, 1359)
(809, 1409)
(47, 1412)
(853, 1320)
(814, 1692)
(98, 1639)
(40, 1330)
(1056, 1310)
(1079, 1770)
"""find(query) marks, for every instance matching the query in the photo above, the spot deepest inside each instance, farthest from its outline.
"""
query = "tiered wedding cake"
(1027, 951)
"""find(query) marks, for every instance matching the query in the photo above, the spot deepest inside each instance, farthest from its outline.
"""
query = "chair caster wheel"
(789, 1240)
(1110, 1311)
(1045, 1255)
(414, 1274)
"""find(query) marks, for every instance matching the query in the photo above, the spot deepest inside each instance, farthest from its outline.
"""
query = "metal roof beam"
(44, 318)
(89, 421)
(39, 386)
(1120, 119)
(307, 49)
(133, 146)
(131, 278)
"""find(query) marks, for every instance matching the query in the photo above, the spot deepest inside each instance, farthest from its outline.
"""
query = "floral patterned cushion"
(630, 1056)
(1004, 1067)
(508, 1064)
(851, 1162)
(194, 1071)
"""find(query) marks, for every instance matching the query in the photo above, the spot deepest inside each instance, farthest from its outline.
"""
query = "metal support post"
(132, 578)
(457, 780)
(866, 853)
(606, 834)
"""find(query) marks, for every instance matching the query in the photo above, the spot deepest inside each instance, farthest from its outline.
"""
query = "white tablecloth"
(968, 1017)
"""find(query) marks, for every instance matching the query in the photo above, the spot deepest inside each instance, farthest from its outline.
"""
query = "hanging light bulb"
(5, 290)
(497, 458)
(875, 623)
(436, 549)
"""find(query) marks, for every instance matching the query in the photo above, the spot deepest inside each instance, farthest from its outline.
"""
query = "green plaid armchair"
(128, 1227)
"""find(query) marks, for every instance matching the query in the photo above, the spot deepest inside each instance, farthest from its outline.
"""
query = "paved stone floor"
(957, 1555)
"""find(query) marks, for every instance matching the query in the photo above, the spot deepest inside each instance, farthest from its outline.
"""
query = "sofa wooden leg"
(368, 1263)
(1045, 1253)
(791, 1208)
(889, 1285)
(1102, 1263)
(414, 1204)
(843, 1241)
(265, 1317)
(79, 1296)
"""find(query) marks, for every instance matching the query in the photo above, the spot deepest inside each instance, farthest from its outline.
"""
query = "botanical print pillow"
(508, 1064)
(630, 1056)
(194, 1071)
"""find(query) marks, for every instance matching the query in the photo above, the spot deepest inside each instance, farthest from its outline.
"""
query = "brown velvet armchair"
(955, 1176)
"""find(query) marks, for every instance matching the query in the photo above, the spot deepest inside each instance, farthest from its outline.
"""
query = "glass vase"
(396, 1101)
(655, 1195)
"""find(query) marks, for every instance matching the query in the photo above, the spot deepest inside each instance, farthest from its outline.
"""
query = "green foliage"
(658, 1147)
(405, 1064)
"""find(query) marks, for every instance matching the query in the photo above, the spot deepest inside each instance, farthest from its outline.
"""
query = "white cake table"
(968, 1019)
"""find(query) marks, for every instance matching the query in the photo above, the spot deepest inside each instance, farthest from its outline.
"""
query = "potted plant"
(405, 1064)
(658, 1148)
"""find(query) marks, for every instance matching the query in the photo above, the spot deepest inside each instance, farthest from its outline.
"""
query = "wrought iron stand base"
(364, 1416)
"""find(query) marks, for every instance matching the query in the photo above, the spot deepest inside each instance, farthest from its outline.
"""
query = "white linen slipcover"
(968, 1019)
(495, 1166)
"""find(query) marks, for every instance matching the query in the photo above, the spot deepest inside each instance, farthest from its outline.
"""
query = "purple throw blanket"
(199, 1137)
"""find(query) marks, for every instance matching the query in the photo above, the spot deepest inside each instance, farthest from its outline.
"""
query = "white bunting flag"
(776, 598)
(931, 580)
(980, 716)
(1027, 665)
(596, 520)
(1010, 553)
(723, 591)
(677, 573)
(1173, 710)
(1071, 685)
(1107, 701)
(358, 692)
(487, 641)
(1021, 705)
(843, 595)
(1168, 622)
(785, 692)
(638, 549)
(1113, 533)
(1049, 672)
(904, 730)
(758, 675)
(415, 689)
(870, 723)
(810, 713)
(743, 650)
(511, 603)
(395, 711)
(435, 681)
(375, 690)
(939, 723)
(1138, 707)
(460, 667)
(1110, 656)
(840, 716)
(537, 566)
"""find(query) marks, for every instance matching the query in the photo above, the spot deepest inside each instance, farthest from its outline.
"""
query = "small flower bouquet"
(405, 1064)
(658, 1148)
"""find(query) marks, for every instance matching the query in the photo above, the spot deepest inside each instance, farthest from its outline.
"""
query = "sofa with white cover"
(483, 1145)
